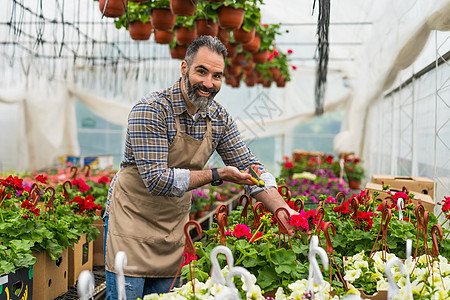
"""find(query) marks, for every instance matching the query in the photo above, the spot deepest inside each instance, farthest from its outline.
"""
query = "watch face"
(216, 182)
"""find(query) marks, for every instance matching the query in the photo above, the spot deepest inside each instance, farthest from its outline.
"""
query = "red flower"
(446, 206)
(188, 258)
(294, 67)
(42, 178)
(290, 51)
(104, 179)
(14, 182)
(364, 220)
(288, 165)
(343, 209)
(252, 239)
(329, 159)
(241, 230)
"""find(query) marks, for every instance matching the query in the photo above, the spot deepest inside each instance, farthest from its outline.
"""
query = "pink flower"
(241, 230)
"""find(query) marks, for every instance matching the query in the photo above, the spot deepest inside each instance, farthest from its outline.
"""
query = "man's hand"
(232, 174)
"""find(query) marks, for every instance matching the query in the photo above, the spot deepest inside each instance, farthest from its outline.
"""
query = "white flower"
(279, 295)
(305, 175)
(382, 285)
(254, 293)
(361, 264)
(352, 275)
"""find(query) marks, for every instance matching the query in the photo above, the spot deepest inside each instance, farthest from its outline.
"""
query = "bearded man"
(171, 135)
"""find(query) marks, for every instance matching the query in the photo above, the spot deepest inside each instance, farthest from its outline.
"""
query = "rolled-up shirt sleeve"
(148, 140)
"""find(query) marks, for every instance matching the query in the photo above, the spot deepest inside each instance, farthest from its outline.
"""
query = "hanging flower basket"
(250, 81)
(114, 9)
(275, 73)
(162, 19)
(183, 7)
(206, 27)
(281, 82)
(223, 35)
(243, 36)
(231, 49)
(184, 35)
(179, 51)
(267, 83)
(163, 36)
(140, 31)
(252, 46)
(230, 17)
(260, 57)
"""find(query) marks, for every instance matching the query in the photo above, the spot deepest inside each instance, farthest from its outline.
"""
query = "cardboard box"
(421, 185)
(427, 201)
(50, 276)
(299, 154)
(21, 279)
(80, 259)
(98, 244)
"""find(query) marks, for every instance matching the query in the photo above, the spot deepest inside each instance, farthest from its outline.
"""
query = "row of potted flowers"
(349, 167)
(361, 224)
(48, 212)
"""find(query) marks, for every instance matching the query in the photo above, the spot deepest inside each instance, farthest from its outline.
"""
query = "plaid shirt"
(152, 129)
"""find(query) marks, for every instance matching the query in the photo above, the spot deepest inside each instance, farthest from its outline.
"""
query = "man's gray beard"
(198, 101)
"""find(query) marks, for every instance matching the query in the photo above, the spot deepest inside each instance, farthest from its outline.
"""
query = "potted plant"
(267, 33)
(206, 20)
(140, 27)
(114, 9)
(162, 17)
(353, 170)
(246, 32)
(184, 30)
(230, 13)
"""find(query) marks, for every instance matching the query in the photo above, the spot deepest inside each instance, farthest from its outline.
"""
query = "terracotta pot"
(223, 36)
(252, 46)
(267, 83)
(275, 73)
(183, 7)
(140, 31)
(230, 17)
(115, 8)
(235, 83)
(162, 19)
(206, 27)
(281, 82)
(163, 36)
(240, 59)
(354, 184)
(250, 81)
(192, 216)
(228, 80)
(242, 36)
(260, 57)
(231, 49)
(235, 70)
(249, 66)
(179, 51)
(207, 207)
(199, 214)
(184, 35)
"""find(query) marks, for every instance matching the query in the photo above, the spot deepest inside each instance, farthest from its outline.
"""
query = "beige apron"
(150, 228)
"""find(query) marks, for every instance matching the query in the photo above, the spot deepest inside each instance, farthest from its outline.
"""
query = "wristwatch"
(216, 178)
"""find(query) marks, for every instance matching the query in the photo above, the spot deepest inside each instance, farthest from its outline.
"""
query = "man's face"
(203, 78)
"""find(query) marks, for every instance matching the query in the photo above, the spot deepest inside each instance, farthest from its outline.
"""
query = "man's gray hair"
(212, 43)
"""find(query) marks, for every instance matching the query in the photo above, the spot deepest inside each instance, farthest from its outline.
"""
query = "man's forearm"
(272, 200)
(199, 178)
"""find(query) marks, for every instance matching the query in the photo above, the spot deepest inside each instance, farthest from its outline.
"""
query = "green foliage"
(137, 11)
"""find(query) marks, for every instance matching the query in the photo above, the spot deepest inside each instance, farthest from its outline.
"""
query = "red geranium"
(14, 182)
(42, 178)
(364, 220)
(343, 209)
(288, 165)
(104, 179)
